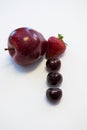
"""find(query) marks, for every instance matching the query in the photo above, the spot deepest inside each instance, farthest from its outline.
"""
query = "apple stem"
(6, 49)
(60, 36)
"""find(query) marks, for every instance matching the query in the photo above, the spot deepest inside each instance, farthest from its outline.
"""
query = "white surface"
(23, 105)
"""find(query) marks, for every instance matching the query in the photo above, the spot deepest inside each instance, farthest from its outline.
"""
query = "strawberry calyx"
(60, 36)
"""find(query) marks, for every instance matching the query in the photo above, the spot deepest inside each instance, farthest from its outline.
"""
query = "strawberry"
(55, 47)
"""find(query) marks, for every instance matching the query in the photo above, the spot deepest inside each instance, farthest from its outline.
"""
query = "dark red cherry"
(53, 64)
(54, 78)
(54, 94)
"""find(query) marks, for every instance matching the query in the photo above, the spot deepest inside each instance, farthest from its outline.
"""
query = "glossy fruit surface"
(56, 47)
(54, 78)
(26, 45)
(53, 64)
(54, 94)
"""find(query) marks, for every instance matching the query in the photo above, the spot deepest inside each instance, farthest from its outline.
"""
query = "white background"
(23, 104)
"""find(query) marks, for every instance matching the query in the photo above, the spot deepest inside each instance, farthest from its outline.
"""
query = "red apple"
(26, 45)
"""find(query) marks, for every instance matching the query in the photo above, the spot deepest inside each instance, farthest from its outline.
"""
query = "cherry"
(53, 64)
(54, 78)
(54, 94)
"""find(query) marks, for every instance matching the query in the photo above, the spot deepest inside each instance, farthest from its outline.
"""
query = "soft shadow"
(28, 68)
(53, 86)
(53, 103)
(62, 55)
(47, 70)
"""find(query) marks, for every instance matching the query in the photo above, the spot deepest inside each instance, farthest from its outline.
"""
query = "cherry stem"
(60, 36)
(6, 49)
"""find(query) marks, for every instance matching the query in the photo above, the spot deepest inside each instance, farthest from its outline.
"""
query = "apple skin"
(26, 45)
